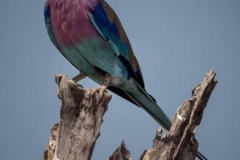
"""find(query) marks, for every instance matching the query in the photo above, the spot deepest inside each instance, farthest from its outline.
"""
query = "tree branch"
(180, 142)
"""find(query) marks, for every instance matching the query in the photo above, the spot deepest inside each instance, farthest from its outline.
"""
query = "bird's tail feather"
(148, 103)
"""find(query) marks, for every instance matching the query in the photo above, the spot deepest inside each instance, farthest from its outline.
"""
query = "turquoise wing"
(108, 25)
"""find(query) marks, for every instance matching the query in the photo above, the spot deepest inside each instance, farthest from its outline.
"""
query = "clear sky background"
(176, 43)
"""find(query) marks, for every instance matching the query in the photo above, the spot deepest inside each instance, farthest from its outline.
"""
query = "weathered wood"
(80, 120)
(121, 153)
(49, 153)
(81, 116)
(180, 142)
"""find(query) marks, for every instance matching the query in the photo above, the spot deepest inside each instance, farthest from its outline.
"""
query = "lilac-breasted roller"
(90, 36)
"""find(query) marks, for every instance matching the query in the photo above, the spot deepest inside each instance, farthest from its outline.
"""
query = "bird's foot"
(58, 79)
(100, 90)
(103, 88)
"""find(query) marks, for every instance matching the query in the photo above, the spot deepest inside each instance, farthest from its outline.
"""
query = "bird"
(89, 34)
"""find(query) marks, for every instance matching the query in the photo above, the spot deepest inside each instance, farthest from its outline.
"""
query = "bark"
(81, 117)
(82, 114)
(121, 153)
(49, 153)
(180, 143)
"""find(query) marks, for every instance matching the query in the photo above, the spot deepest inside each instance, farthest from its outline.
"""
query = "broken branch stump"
(180, 143)
(121, 153)
(80, 121)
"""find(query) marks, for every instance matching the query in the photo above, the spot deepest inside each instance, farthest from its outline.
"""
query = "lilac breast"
(71, 24)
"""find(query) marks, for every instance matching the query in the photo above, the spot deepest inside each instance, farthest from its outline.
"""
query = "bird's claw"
(59, 94)
(58, 78)
(100, 90)
(103, 88)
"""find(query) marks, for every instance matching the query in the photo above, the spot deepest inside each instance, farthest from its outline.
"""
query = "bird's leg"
(103, 87)
(79, 77)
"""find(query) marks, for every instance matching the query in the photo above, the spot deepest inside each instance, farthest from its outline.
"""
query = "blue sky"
(176, 43)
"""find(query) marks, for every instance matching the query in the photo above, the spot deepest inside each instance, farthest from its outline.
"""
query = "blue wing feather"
(113, 32)
(107, 28)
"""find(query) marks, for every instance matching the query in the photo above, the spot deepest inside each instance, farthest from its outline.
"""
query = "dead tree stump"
(81, 116)
(80, 121)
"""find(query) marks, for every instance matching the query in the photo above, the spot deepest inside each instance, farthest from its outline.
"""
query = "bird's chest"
(71, 24)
